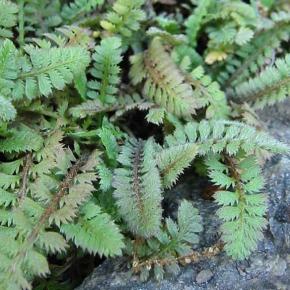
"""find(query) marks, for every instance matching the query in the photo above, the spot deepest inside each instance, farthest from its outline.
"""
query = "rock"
(204, 276)
(267, 268)
(277, 171)
(279, 267)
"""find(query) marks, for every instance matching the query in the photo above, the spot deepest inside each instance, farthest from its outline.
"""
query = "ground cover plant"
(104, 104)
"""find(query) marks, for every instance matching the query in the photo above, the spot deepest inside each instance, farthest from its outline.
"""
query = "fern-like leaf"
(174, 241)
(42, 16)
(125, 17)
(174, 160)
(34, 202)
(138, 188)
(248, 59)
(169, 90)
(7, 110)
(271, 86)
(95, 232)
(228, 136)
(8, 67)
(8, 18)
(22, 139)
(242, 210)
(195, 21)
(106, 177)
(75, 9)
(122, 105)
(209, 94)
(49, 69)
(107, 58)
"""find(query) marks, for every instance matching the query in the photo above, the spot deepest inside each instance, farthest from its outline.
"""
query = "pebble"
(204, 276)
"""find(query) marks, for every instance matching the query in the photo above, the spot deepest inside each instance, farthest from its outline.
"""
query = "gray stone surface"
(204, 276)
(267, 268)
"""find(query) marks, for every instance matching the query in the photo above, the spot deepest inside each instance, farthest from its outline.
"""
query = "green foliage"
(122, 105)
(77, 8)
(109, 136)
(8, 18)
(180, 92)
(156, 116)
(195, 21)
(224, 136)
(238, 20)
(52, 69)
(42, 16)
(42, 72)
(228, 24)
(209, 94)
(22, 139)
(88, 108)
(107, 58)
(173, 160)
(106, 177)
(243, 209)
(95, 232)
(124, 17)
(271, 86)
(8, 69)
(51, 189)
(248, 60)
(175, 240)
(170, 91)
(7, 110)
(138, 188)
(87, 86)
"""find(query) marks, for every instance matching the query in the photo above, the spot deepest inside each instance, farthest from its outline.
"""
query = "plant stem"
(25, 176)
(186, 259)
(50, 209)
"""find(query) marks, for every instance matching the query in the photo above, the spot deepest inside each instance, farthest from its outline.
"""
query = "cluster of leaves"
(75, 176)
